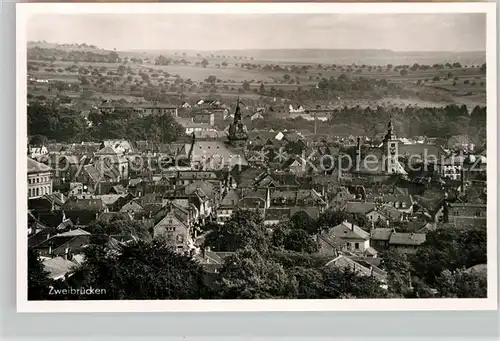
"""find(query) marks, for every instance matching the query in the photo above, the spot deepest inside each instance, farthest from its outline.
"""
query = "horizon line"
(268, 49)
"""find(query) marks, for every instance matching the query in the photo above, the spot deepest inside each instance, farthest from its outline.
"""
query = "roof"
(84, 204)
(390, 212)
(359, 207)
(58, 266)
(72, 233)
(348, 230)
(37, 167)
(215, 153)
(401, 238)
(230, 199)
(108, 216)
(381, 234)
(421, 149)
(345, 263)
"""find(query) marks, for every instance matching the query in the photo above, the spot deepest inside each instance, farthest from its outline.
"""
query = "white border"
(24, 11)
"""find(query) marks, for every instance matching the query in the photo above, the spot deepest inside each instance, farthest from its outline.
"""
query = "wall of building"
(39, 184)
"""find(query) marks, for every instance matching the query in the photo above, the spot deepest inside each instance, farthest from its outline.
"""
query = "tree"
(262, 89)
(143, 270)
(211, 79)
(403, 72)
(204, 63)
(39, 140)
(245, 228)
(248, 275)
(286, 77)
(116, 226)
(224, 64)
(345, 283)
(307, 283)
(246, 85)
(38, 278)
(449, 249)
(398, 268)
(302, 220)
(483, 68)
(461, 284)
(293, 239)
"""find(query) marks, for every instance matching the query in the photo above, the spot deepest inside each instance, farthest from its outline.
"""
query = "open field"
(243, 75)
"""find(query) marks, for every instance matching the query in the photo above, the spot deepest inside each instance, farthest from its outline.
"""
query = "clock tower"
(238, 134)
(390, 146)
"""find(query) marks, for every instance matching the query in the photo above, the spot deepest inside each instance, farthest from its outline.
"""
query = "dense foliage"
(66, 125)
(281, 262)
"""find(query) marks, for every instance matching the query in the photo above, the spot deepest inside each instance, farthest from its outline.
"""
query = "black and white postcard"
(256, 157)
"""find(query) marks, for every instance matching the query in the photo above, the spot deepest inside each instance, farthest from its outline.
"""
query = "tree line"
(61, 124)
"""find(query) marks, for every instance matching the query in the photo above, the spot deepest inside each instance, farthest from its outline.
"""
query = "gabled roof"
(347, 230)
(37, 167)
(345, 263)
(382, 234)
(72, 233)
(359, 207)
(230, 199)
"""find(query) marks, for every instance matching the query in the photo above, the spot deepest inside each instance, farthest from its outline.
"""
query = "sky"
(398, 32)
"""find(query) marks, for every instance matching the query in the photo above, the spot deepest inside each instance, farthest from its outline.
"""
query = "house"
(403, 203)
(340, 199)
(47, 202)
(379, 238)
(461, 142)
(132, 207)
(357, 240)
(61, 267)
(384, 214)
(465, 215)
(406, 242)
(257, 116)
(39, 179)
(227, 206)
(37, 151)
(344, 263)
(83, 211)
(64, 244)
(173, 223)
(358, 207)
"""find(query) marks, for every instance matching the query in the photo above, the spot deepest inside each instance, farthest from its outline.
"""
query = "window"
(29, 192)
(356, 246)
(348, 244)
(37, 191)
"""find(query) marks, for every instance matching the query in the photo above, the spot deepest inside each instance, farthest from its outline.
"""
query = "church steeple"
(390, 136)
(237, 135)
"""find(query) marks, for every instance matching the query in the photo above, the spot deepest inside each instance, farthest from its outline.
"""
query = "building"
(356, 239)
(238, 133)
(145, 109)
(39, 179)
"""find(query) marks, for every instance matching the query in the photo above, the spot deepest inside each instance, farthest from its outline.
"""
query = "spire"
(191, 147)
(237, 112)
(390, 131)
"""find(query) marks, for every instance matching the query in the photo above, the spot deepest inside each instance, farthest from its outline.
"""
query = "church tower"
(238, 134)
(390, 146)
